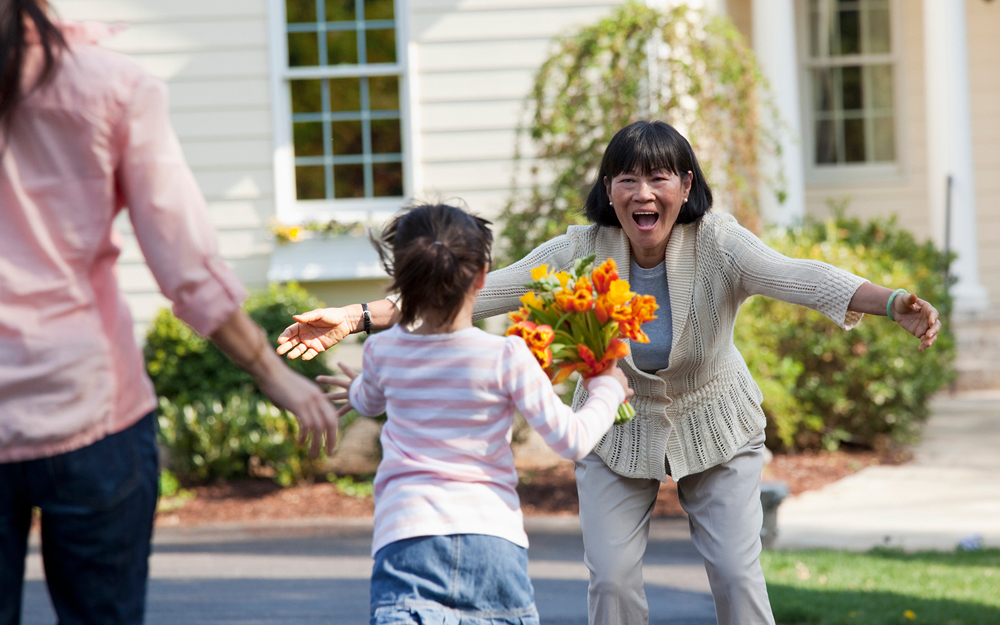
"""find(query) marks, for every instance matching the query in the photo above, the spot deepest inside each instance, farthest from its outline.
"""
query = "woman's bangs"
(648, 150)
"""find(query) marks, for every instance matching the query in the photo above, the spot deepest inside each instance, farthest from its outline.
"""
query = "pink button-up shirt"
(93, 141)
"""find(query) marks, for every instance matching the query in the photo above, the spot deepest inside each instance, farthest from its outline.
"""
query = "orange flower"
(630, 328)
(604, 275)
(593, 366)
(643, 308)
(575, 301)
(543, 356)
(583, 284)
(519, 315)
(616, 349)
(521, 329)
(540, 337)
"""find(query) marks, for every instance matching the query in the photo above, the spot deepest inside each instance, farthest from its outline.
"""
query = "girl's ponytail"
(433, 253)
(13, 41)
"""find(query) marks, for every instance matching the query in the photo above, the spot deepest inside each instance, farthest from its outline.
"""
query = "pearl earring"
(610, 203)
(685, 200)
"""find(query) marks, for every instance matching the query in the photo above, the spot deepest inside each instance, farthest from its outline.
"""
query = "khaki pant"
(725, 514)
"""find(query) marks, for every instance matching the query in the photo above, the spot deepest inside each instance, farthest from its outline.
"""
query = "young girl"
(449, 542)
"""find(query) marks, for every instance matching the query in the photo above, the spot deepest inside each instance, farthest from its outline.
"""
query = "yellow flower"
(539, 272)
(618, 293)
(910, 614)
(563, 278)
(293, 233)
(532, 300)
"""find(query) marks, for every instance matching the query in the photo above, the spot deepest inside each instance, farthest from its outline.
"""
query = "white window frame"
(288, 208)
(850, 173)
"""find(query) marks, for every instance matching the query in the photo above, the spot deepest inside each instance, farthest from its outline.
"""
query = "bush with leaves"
(214, 422)
(870, 386)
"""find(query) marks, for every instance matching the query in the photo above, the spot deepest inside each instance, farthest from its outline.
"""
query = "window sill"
(875, 174)
(323, 259)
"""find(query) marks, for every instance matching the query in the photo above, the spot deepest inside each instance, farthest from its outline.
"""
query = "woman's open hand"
(917, 317)
(316, 331)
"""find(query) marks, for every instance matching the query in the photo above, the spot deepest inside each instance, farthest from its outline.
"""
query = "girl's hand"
(917, 317)
(615, 373)
(344, 383)
(315, 331)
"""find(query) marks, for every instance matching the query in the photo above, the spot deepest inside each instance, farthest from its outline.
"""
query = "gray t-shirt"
(654, 355)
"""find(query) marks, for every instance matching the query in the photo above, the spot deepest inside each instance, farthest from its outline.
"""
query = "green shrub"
(870, 386)
(214, 422)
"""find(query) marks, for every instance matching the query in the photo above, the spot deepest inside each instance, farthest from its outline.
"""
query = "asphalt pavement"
(316, 572)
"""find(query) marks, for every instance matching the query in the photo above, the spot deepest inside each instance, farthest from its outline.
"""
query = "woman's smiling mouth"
(645, 220)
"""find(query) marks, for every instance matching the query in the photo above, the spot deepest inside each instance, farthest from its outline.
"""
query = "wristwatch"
(367, 316)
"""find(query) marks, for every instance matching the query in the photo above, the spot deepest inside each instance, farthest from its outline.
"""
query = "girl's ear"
(480, 280)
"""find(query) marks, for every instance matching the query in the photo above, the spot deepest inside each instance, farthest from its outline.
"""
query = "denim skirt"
(460, 579)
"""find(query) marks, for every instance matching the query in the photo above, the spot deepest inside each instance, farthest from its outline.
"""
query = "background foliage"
(870, 386)
(214, 422)
(683, 66)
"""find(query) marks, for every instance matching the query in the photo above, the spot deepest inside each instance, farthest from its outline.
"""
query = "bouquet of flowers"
(574, 321)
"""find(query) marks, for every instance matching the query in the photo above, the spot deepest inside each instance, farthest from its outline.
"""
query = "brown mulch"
(549, 491)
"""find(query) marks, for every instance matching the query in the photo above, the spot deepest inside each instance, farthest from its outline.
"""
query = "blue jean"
(461, 579)
(97, 505)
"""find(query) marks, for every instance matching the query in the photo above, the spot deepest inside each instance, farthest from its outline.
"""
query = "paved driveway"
(317, 573)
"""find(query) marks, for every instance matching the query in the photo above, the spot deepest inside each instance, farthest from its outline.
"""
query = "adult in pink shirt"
(84, 133)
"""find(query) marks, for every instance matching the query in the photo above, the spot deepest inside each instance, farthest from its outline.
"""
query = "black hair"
(13, 41)
(642, 148)
(433, 253)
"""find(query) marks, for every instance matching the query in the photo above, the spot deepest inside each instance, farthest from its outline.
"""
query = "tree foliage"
(683, 66)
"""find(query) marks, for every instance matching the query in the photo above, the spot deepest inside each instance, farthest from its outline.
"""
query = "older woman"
(699, 418)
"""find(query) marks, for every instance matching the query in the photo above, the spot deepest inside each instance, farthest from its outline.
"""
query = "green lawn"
(883, 587)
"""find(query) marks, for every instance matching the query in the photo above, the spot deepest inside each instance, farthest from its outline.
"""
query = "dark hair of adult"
(642, 148)
(433, 253)
(13, 41)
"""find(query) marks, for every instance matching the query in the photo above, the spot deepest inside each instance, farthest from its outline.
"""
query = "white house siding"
(474, 65)
(213, 55)
(906, 194)
(984, 83)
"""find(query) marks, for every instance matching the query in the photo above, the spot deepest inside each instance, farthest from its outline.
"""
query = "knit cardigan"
(705, 405)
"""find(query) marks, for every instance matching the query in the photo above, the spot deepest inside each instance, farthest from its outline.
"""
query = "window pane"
(340, 11)
(345, 94)
(885, 140)
(826, 142)
(386, 136)
(346, 138)
(306, 96)
(383, 93)
(854, 140)
(303, 49)
(850, 32)
(378, 9)
(388, 179)
(308, 138)
(823, 99)
(348, 181)
(879, 40)
(881, 85)
(342, 47)
(381, 45)
(310, 183)
(300, 11)
(851, 88)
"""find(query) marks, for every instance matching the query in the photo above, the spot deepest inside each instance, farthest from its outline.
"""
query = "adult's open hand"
(917, 317)
(316, 331)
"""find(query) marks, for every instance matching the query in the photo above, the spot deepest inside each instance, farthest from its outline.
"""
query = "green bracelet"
(888, 306)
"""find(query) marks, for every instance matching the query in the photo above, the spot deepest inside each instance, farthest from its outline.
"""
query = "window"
(850, 82)
(340, 121)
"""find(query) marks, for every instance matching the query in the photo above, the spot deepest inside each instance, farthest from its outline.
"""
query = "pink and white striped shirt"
(447, 466)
